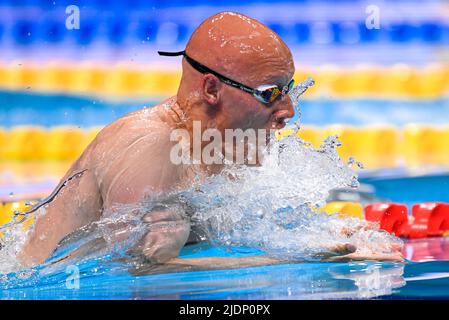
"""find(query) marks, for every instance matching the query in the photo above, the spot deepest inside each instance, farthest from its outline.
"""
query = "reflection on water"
(108, 278)
(288, 281)
(427, 249)
(372, 279)
(291, 281)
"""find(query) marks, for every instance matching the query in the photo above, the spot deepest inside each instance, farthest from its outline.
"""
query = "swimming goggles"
(264, 93)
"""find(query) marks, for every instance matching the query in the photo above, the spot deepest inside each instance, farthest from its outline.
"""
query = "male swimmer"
(226, 58)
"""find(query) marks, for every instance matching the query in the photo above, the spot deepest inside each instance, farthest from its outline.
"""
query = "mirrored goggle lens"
(269, 95)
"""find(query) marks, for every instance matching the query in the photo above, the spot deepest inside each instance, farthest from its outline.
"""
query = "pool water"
(111, 280)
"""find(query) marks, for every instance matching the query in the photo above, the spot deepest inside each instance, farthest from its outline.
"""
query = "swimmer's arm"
(206, 263)
(77, 204)
(340, 253)
(161, 249)
(216, 263)
(167, 233)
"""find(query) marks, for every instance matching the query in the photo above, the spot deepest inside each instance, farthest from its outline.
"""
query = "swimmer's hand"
(393, 257)
(347, 252)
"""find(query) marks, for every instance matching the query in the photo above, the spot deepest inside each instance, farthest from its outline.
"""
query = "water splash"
(295, 95)
(299, 90)
(12, 240)
(274, 207)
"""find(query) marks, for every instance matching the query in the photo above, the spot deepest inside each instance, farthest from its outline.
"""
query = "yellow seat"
(64, 143)
(89, 79)
(430, 82)
(56, 78)
(25, 143)
(122, 81)
(377, 147)
(442, 156)
(344, 209)
(3, 135)
(326, 77)
(21, 77)
(158, 83)
(7, 213)
(4, 75)
(446, 79)
(397, 81)
(425, 145)
(311, 134)
(127, 80)
(358, 82)
(349, 137)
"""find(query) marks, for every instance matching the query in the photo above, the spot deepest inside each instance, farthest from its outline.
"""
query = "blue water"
(112, 280)
(427, 276)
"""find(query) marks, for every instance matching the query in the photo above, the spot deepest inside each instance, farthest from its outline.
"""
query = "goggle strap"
(226, 80)
(171, 54)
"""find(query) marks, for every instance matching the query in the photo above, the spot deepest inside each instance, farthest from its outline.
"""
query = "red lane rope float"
(433, 215)
(429, 219)
(391, 216)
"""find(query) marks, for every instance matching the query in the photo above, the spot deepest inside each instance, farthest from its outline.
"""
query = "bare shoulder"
(132, 156)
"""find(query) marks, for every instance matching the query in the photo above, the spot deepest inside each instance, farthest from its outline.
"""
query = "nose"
(283, 107)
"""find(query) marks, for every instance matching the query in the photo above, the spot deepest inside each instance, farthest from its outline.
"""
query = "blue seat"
(336, 32)
(302, 31)
(345, 33)
(102, 5)
(280, 29)
(2, 30)
(117, 30)
(142, 4)
(183, 33)
(87, 31)
(19, 3)
(51, 4)
(134, 5)
(146, 30)
(369, 35)
(52, 31)
(24, 32)
(432, 32)
(402, 32)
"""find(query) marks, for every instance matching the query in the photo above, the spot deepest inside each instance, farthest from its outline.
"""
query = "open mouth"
(279, 122)
(280, 118)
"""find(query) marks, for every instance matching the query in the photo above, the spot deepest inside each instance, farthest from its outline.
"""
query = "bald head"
(241, 48)
(246, 51)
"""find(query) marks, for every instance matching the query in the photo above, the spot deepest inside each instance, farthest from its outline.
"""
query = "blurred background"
(69, 67)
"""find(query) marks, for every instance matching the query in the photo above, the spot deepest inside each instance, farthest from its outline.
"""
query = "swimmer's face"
(242, 110)
(245, 111)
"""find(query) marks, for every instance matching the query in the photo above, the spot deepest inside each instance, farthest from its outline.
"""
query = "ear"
(211, 86)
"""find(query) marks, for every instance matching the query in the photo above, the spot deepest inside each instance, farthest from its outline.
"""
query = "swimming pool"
(425, 275)
(357, 280)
